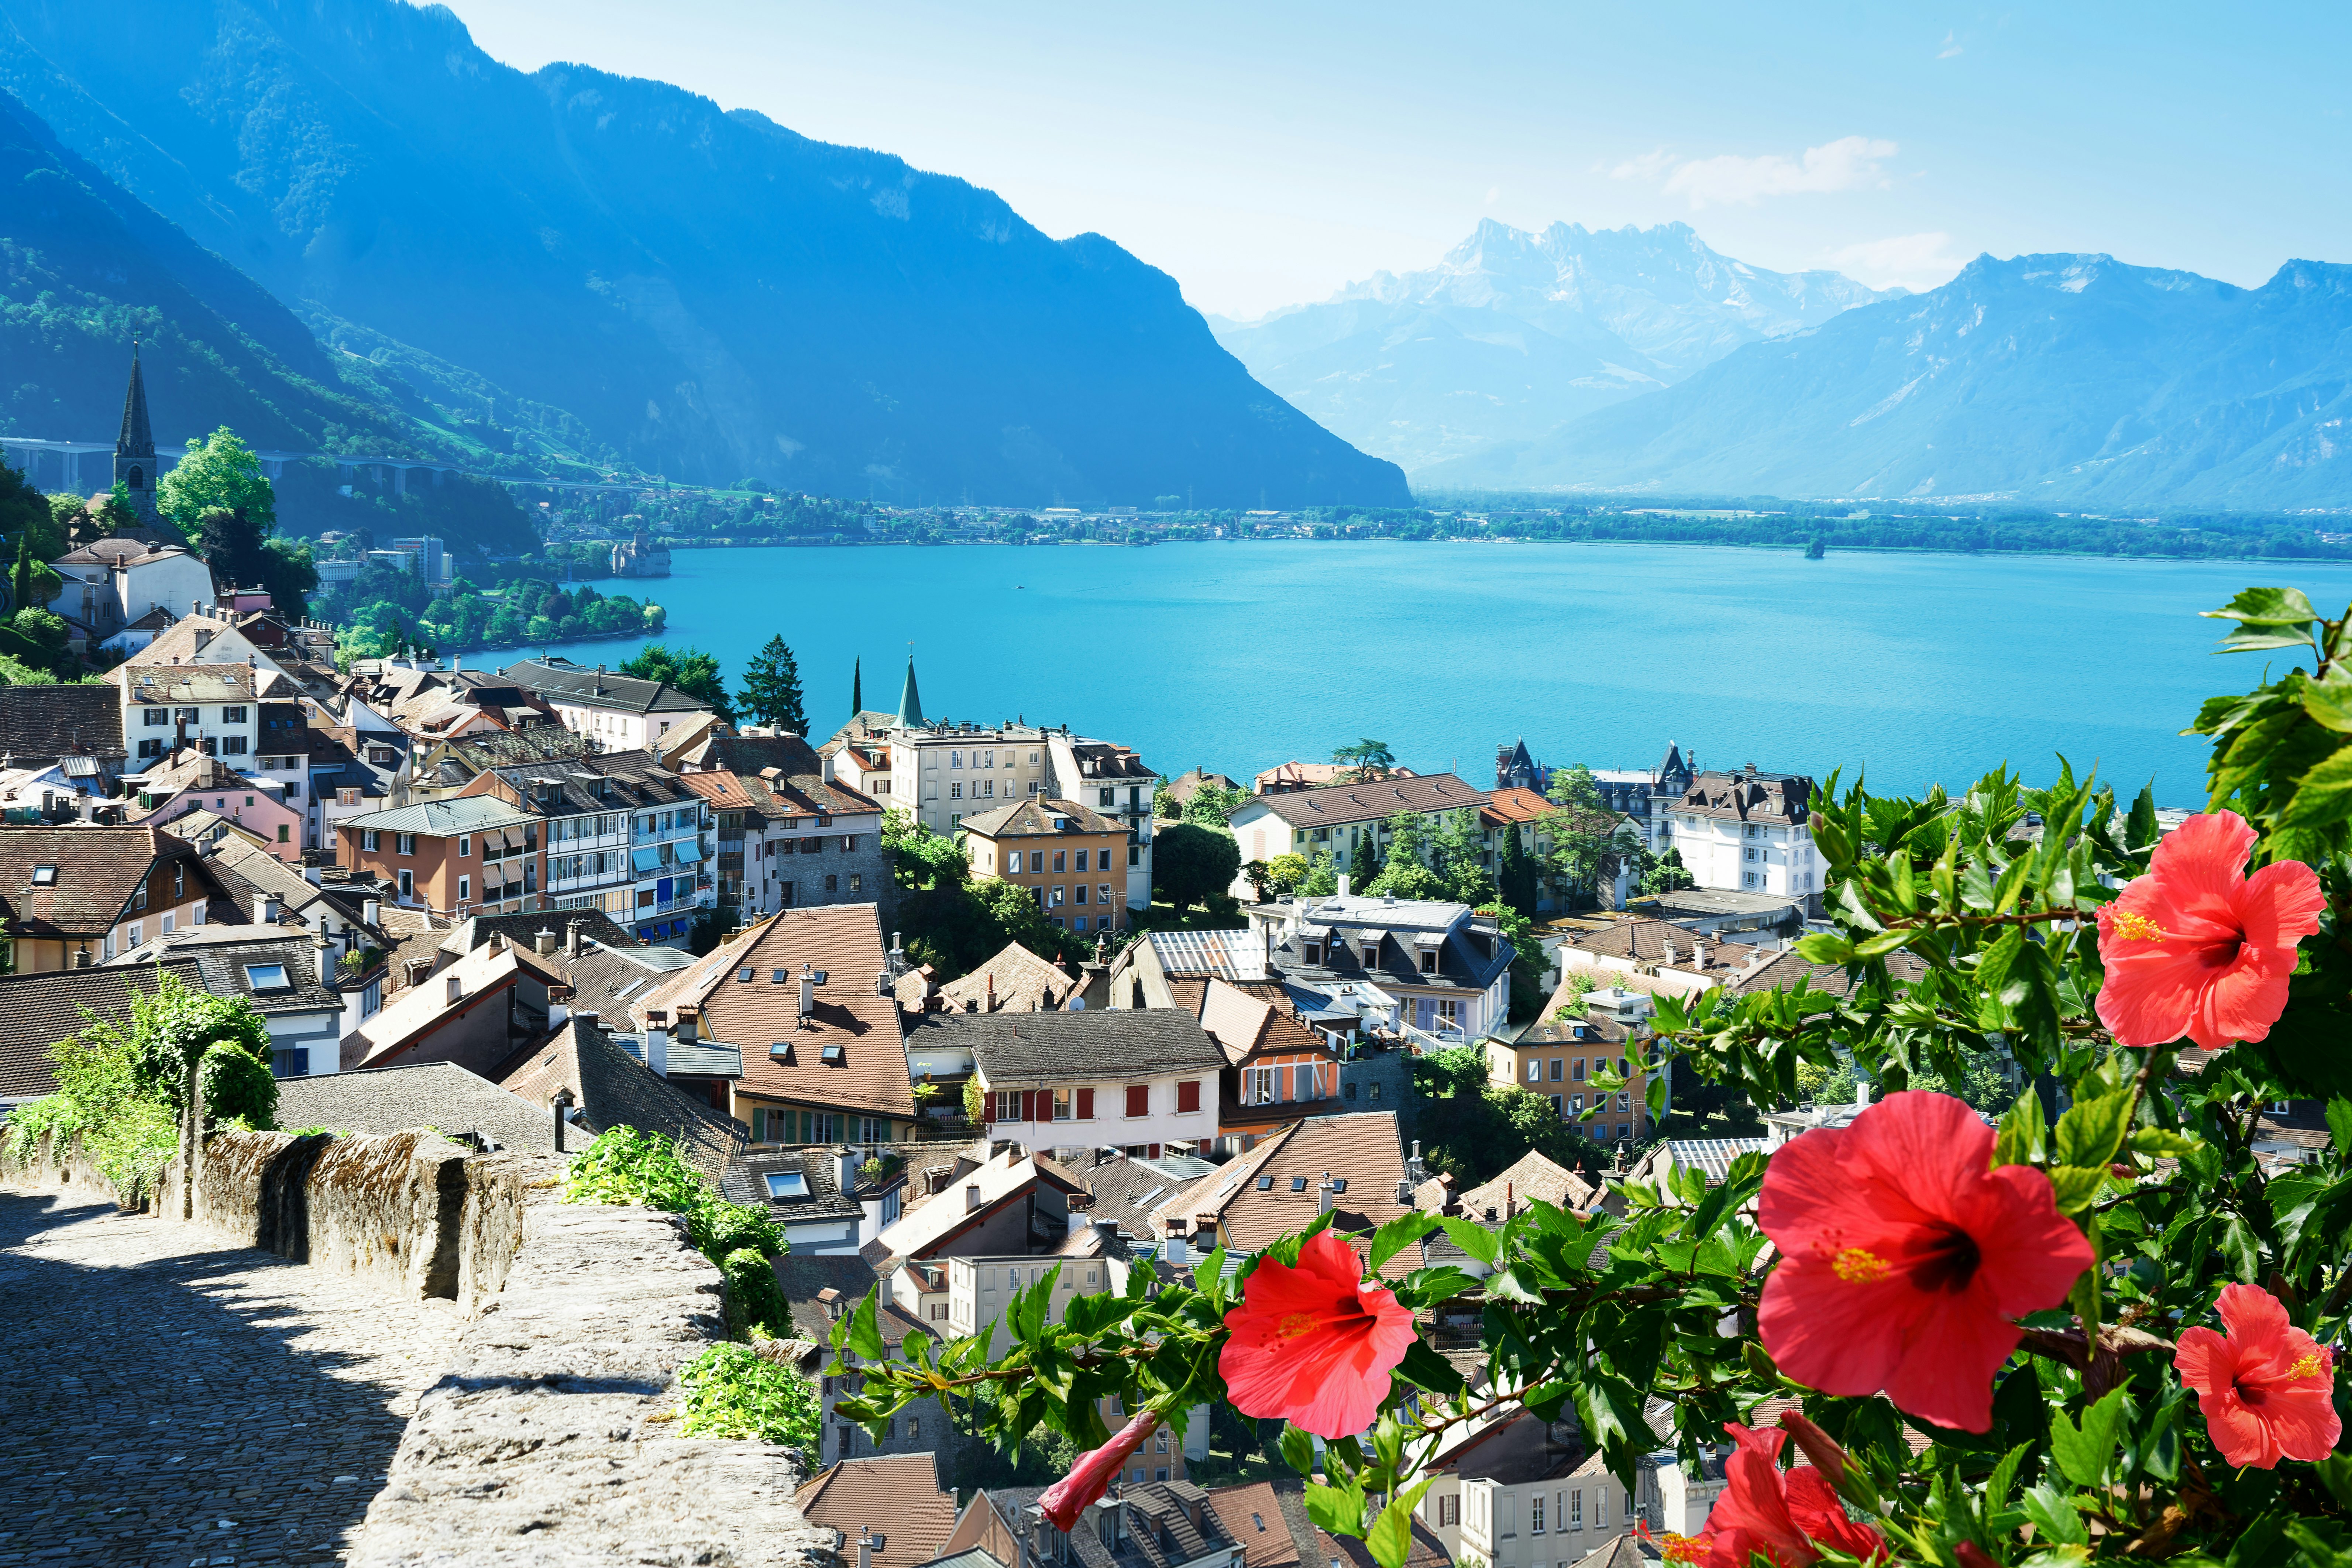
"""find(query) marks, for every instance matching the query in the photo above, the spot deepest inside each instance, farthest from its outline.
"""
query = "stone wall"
(549, 1441)
(51, 1164)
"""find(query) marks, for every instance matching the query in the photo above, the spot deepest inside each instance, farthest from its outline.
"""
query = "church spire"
(911, 701)
(134, 449)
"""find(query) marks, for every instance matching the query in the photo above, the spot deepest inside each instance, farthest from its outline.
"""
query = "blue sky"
(1268, 153)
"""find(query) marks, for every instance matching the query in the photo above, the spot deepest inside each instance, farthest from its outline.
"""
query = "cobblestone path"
(167, 1399)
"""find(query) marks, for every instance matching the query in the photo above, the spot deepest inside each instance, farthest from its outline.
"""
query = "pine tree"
(1515, 873)
(20, 586)
(1362, 867)
(772, 689)
(856, 686)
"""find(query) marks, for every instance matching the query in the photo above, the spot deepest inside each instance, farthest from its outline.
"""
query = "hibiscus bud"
(1817, 1446)
(1066, 1499)
(1971, 1555)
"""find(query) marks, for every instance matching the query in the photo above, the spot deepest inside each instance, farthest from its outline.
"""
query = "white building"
(111, 583)
(1145, 1081)
(620, 712)
(213, 707)
(1747, 832)
(1447, 968)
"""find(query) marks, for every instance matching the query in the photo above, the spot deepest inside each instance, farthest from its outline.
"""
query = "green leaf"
(2084, 1452)
(1824, 947)
(2241, 1249)
(2253, 642)
(2339, 1125)
(1475, 1239)
(2076, 1186)
(2023, 1132)
(2004, 1478)
(864, 1337)
(2324, 794)
(2328, 698)
(2054, 1518)
(1340, 1512)
(1391, 1537)
(2266, 607)
(2091, 1130)
(1397, 1235)
(2158, 1145)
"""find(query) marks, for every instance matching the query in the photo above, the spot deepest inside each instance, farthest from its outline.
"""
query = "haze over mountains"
(1513, 333)
(707, 294)
(2059, 381)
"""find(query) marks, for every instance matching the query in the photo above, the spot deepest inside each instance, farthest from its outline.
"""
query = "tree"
(20, 581)
(238, 549)
(772, 689)
(1664, 873)
(221, 473)
(1364, 865)
(1190, 862)
(1527, 959)
(688, 669)
(1367, 759)
(1457, 854)
(1210, 804)
(856, 686)
(1587, 848)
(1515, 871)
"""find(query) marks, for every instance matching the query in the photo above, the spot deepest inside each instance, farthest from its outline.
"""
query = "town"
(957, 1007)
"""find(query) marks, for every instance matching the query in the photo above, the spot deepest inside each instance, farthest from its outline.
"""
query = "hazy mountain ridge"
(710, 292)
(1513, 332)
(2060, 380)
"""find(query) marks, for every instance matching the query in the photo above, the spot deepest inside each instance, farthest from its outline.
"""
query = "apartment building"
(1559, 1058)
(71, 897)
(941, 773)
(790, 833)
(1748, 832)
(1334, 818)
(1070, 856)
(1446, 968)
(464, 856)
(216, 708)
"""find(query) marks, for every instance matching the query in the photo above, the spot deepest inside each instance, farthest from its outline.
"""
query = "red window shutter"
(1028, 1105)
(1188, 1095)
(1139, 1099)
(1155, 1153)
(987, 1106)
(1086, 1105)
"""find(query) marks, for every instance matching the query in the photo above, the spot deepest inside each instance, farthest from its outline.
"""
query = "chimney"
(808, 995)
(1174, 1250)
(1343, 884)
(972, 1197)
(991, 977)
(850, 1160)
(497, 942)
(865, 1547)
(1698, 953)
(657, 1050)
(897, 957)
(1323, 1195)
(1669, 944)
(882, 986)
(1414, 1168)
(265, 909)
(562, 1105)
(372, 913)
(542, 943)
(571, 939)
(825, 768)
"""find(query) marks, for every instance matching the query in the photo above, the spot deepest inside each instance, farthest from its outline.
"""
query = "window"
(1258, 1085)
(1102, 893)
(407, 883)
(1057, 895)
(1625, 1102)
(45, 876)
(405, 844)
(855, 880)
(1058, 858)
(290, 1063)
(137, 933)
(155, 718)
(465, 889)
(465, 846)
(1008, 1105)
(1188, 1095)
(232, 746)
(1535, 1514)
(1535, 1070)
(1139, 1099)
(151, 748)
(1576, 1508)
(266, 977)
(232, 715)
(1062, 1106)
(1135, 853)
(1265, 1184)
(1578, 1074)
(955, 792)
(1555, 1070)
(787, 1186)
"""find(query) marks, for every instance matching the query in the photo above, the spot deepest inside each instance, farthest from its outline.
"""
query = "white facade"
(1732, 856)
(117, 587)
(617, 728)
(980, 1289)
(215, 710)
(1144, 1114)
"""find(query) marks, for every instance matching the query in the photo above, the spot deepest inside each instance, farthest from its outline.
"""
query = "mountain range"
(633, 273)
(2057, 380)
(1513, 333)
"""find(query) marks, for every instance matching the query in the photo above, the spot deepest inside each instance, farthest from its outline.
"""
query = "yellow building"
(1073, 857)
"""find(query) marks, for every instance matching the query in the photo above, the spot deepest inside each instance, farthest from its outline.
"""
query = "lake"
(1919, 668)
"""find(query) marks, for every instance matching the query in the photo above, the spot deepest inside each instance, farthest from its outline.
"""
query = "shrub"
(732, 1392)
(237, 1088)
(625, 1166)
(754, 1299)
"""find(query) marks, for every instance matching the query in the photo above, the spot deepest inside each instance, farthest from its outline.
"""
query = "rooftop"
(440, 818)
(1040, 816)
(1348, 802)
(896, 1496)
(37, 1011)
(561, 680)
(1038, 1049)
(440, 1095)
(1274, 1189)
(613, 1089)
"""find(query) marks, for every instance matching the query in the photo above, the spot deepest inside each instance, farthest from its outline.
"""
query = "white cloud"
(1952, 45)
(1848, 164)
(1915, 261)
(1493, 194)
(1648, 166)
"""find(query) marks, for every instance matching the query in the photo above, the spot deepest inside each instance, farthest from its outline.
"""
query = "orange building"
(1073, 857)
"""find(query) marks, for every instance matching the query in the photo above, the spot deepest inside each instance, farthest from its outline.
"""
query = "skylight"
(266, 977)
(832, 1056)
(45, 876)
(787, 1186)
(742, 978)
(1297, 1184)
(623, 994)
(775, 976)
(1339, 1184)
(1265, 1184)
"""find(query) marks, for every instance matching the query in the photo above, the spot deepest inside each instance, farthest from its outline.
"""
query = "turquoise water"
(1920, 668)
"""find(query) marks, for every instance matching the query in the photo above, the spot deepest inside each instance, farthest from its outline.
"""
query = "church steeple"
(911, 701)
(134, 449)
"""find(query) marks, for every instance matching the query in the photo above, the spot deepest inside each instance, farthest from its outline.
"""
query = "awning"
(677, 927)
(687, 850)
(646, 858)
(493, 877)
(514, 838)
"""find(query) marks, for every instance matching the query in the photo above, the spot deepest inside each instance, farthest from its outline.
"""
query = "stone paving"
(168, 1399)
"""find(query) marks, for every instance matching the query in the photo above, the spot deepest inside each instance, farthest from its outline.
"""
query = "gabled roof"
(561, 680)
(1531, 1179)
(41, 724)
(1348, 802)
(1245, 1026)
(1648, 940)
(921, 1231)
(1252, 1515)
(1515, 804)
(228, 957)
(843, 942)
(96, 870)
(439, 819)
(1361, 1149)
(429, 1094)
(1015, 981)
(194, 683)
(1748, 796)
(418, 1013)
(37, 1011)
(896, 1496)
(1046, 1049)
(1038, 817)
(615, 1089)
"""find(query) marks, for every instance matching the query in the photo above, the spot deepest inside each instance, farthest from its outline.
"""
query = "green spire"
(856, 686)
(911, 701)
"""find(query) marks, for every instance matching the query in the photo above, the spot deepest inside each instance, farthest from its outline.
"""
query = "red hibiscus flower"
(2267, 1389)
(2199, 948)
(1314, 1345)
(1905, 1256)
(1091, 1477)
(1782, 1516)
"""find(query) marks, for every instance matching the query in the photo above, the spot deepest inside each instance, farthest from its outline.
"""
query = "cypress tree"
(856, 686)
(20, 586)
(771, 688)
(1362, 867)
(1514, 874)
